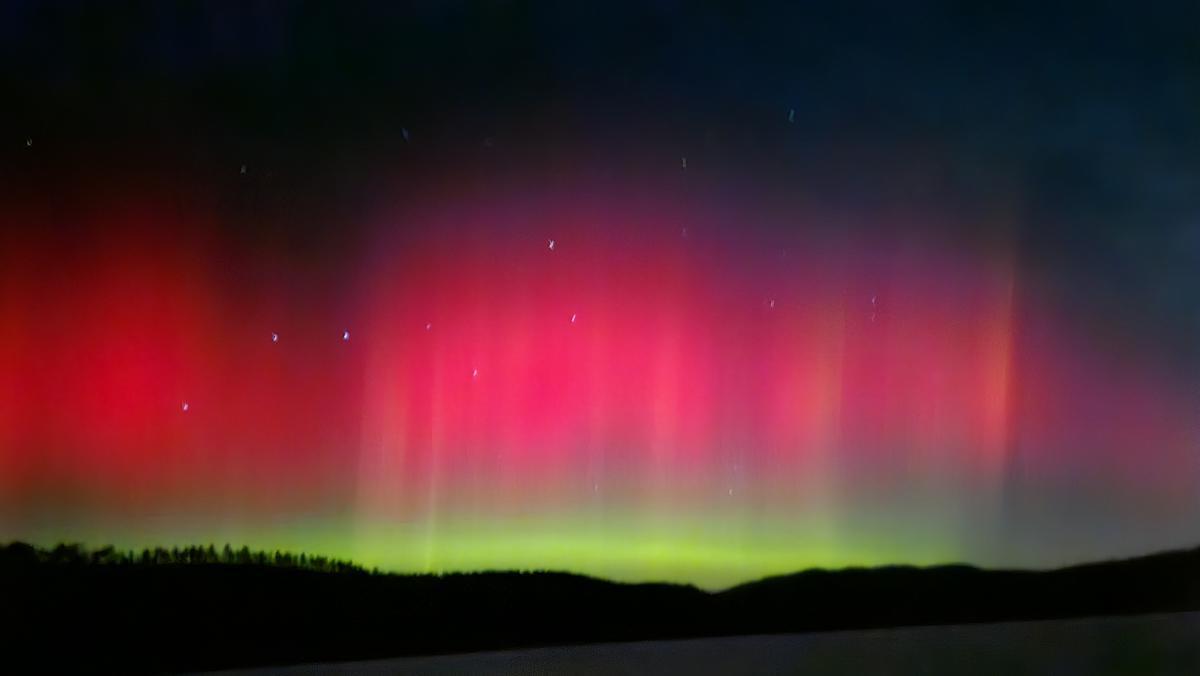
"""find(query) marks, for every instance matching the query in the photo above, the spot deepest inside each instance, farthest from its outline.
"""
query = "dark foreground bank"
(1137, 645)
(81, 613)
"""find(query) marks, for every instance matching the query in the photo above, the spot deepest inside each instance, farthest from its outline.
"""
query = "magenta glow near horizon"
(687, 389)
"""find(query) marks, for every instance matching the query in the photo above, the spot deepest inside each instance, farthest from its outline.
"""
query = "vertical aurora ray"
(634, 403)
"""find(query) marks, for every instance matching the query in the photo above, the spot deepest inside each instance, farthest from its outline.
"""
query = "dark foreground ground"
(1143, 645)
(189, 613)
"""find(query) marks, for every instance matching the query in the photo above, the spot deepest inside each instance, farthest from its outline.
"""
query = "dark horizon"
(77, 553)
(221, 616)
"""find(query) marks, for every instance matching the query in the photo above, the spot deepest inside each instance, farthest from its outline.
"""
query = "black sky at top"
(1087, 115)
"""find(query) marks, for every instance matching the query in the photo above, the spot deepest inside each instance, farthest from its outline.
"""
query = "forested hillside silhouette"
(75, 554)
(70, 609)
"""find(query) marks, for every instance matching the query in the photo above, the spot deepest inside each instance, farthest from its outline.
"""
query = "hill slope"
(148, 617)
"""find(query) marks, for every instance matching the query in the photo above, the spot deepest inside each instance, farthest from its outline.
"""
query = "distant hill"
(198, 608)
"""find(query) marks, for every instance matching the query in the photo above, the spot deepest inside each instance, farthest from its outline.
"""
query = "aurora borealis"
(599, 315)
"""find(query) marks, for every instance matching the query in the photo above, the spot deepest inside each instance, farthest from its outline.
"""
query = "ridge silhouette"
(197, 608)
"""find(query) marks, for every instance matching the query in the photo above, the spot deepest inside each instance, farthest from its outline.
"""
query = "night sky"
(653, 290)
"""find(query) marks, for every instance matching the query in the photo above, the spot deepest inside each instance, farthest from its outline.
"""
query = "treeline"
(78, 555)
(162, 610)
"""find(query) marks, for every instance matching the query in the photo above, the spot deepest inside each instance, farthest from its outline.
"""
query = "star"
(346, 336)
(428, 326)
(552, 245)
(771, 303)
(474, 373)
(185, 407)
(573, 318)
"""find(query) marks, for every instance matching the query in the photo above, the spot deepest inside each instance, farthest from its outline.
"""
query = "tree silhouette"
(72, 554)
